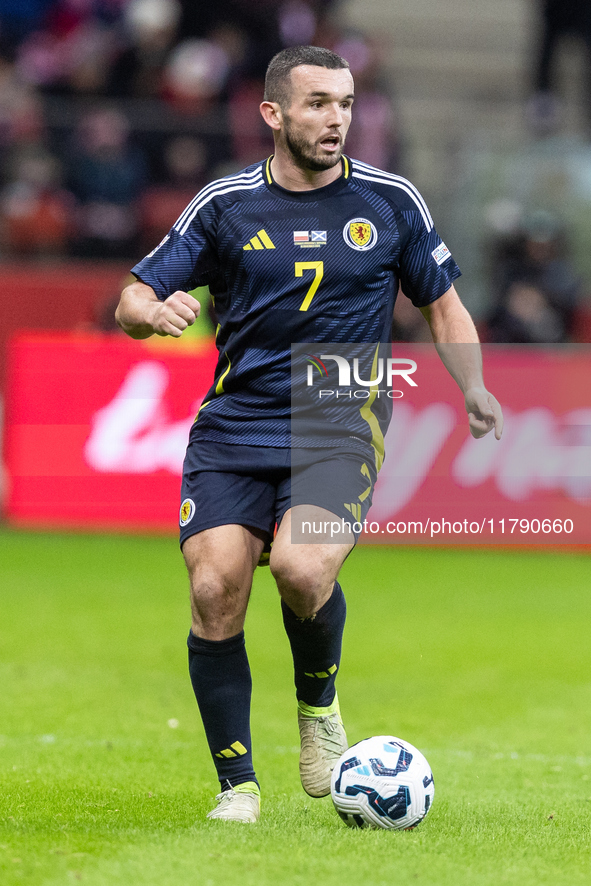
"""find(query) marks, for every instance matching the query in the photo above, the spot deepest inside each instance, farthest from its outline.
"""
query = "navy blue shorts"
(254, 486)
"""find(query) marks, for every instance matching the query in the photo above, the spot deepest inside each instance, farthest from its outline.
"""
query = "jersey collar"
(306, 196)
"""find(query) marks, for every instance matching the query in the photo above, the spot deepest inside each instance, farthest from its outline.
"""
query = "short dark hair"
(278, 78)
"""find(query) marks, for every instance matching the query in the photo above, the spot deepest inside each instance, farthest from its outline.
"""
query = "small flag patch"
(309, 238)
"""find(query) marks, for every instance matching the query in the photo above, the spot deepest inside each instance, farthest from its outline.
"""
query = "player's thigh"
(306, 573)
(221, 562)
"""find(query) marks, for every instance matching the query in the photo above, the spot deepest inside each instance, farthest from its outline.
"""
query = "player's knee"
(297, 575)
(218, 606)
(213, 587)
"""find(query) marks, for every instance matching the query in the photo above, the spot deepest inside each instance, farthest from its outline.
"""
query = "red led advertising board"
(96, 428)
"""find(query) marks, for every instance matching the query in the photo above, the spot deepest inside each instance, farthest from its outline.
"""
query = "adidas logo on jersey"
(260, 241)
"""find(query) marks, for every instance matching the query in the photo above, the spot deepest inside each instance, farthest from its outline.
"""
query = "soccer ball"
(382, 782)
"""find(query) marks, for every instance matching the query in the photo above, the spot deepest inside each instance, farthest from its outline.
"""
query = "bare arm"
(141, 314)
(458, 346)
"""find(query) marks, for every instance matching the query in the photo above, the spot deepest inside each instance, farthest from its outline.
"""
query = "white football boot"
(241, 803)
(322, 741)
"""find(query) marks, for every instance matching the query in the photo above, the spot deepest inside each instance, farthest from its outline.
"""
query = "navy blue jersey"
(295, 266)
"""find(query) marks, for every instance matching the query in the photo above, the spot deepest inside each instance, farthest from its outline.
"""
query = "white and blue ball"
(382, 782)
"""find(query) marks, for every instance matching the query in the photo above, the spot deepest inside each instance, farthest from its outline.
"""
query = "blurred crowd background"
(114, 113)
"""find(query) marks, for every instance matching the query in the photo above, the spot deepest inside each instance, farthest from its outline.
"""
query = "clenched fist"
(171, 317)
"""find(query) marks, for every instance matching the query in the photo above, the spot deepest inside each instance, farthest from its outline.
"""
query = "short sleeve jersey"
(294, 266)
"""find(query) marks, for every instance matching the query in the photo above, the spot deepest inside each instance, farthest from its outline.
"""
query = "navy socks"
(316, 648)
(221, 680)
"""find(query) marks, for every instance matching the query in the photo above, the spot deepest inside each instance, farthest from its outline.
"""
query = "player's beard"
(306, 154)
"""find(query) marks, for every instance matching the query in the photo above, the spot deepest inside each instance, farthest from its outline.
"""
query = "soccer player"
(305, 246)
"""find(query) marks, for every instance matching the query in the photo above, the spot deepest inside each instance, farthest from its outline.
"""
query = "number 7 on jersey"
(318, 267)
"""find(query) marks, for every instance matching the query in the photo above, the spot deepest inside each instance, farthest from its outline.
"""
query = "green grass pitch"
(480, 658)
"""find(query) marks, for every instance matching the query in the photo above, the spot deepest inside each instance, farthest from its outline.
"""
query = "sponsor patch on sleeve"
(441, 254)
